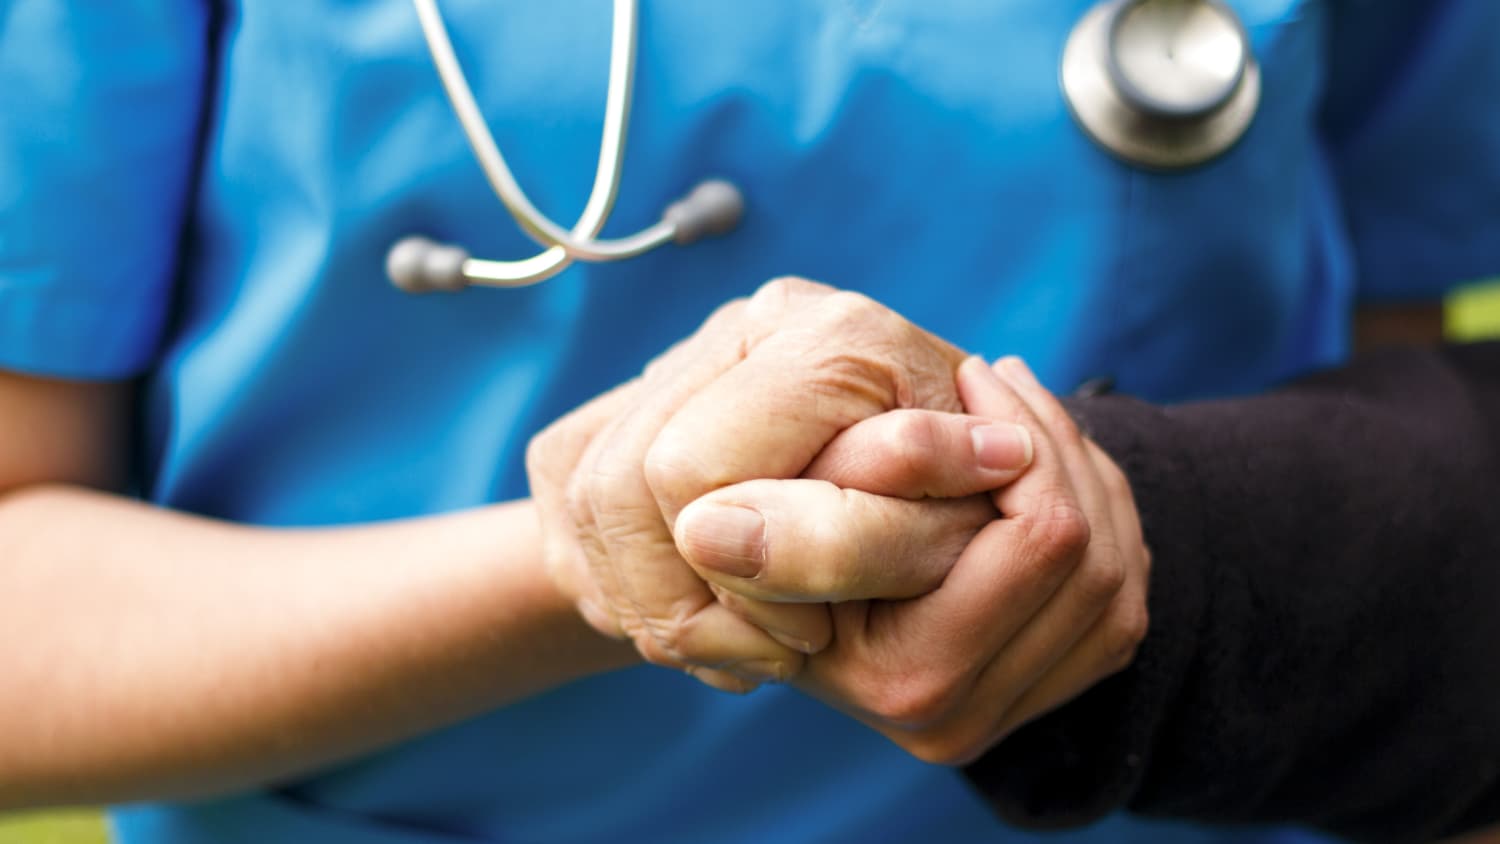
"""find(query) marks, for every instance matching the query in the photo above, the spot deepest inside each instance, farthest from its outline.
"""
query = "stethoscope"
(1160, 84)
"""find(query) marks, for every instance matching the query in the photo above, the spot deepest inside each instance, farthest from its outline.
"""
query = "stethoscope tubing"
(562, 246)
(1126, 121)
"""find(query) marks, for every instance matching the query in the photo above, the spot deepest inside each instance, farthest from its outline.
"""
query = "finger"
(1057, 649)
(1009, 391)
(1106, 505)
(1108, 647)
(606, 584)
(602, 573)
(551, 458)
(941, 716)
(989, 596)
(715, 637)
(1063, 432)
(1123, 513)
(1094, 586)
(1092, 628)
(842, 358)
(953, 632)
(671, 615)
(1021, 594)
(803, 627)
(806, 541)
(924, 454)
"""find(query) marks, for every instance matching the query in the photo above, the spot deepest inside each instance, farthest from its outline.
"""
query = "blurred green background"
(73, 827)
(1472, 314)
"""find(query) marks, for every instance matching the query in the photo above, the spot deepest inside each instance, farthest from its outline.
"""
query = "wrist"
(563, 635)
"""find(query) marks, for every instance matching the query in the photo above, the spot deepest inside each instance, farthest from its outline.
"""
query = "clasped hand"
(794, 494)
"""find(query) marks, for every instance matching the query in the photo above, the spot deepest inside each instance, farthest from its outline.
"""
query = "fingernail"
(800, 645)
(725, 538)
(721, 680)
(761, 670)
(1002, 447)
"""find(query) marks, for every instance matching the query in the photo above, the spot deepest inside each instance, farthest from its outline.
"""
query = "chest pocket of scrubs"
(1232, 275)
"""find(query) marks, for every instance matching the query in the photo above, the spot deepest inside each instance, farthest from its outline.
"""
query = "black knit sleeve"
(1325, 613)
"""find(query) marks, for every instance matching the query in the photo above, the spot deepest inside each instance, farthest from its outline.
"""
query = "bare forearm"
(151, 654)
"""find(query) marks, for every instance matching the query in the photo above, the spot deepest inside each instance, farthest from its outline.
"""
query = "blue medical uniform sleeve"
(1412, 125)
(99, 123)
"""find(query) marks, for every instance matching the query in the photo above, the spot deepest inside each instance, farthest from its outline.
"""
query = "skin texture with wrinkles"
(926, 617)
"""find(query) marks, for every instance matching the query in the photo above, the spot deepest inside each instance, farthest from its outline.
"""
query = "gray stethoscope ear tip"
(419, 265)
(712, 208)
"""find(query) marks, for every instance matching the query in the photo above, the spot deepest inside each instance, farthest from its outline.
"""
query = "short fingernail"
(725, 538)
(1002, 447)
(761, 670)
(722, 680)
(796, 644)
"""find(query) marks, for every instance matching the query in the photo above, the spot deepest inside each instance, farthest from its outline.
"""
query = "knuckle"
(782, 288)
(1061, 531)
(831, 564)
(824, 578)
(1102, 579)
(847, 304)
(725, 318)
(673, 473)
(844, 313)
(775, 298)
(911, 445)
(915, 699)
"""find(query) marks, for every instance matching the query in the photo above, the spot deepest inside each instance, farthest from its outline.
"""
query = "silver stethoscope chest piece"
(1162, 83)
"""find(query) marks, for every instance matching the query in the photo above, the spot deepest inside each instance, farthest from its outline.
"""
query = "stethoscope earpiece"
(712, 208)
(418, 265)
(1163, 84)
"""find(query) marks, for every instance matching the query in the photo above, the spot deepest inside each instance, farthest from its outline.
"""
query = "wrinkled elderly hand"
(1044, 602)
(758, 393)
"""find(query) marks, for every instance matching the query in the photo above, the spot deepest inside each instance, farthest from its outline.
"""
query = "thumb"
(806, 541)
(924, 454)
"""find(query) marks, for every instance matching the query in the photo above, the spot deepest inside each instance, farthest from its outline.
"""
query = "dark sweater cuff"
(1324, 644)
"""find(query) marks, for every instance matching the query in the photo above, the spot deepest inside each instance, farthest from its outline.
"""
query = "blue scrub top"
(203, 195)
